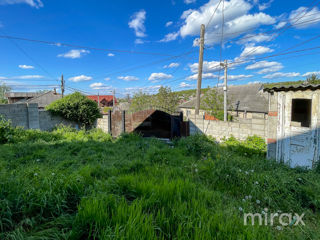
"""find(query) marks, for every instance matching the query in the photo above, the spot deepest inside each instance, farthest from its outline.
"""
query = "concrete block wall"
(28, 116)
(47, 121)
(102, 123)
(22, 115)
(257, 125)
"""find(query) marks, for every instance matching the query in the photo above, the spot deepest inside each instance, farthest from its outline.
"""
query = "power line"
(214, 12)
(80, 46)
(283, 29)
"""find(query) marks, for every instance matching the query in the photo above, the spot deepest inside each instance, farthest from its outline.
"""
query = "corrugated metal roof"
(248, 97)
(293, 87)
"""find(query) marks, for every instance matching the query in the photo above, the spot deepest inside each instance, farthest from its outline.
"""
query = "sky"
(131, 46)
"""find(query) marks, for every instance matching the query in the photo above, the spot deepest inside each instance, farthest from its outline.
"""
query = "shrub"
(76, 107)
(6, 131)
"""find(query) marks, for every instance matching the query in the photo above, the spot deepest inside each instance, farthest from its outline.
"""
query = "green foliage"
(70, 184)
(165, 100)
(213, 102)
(252, 146)
(76, 107)
(3, 90)
(140, 101)
(6, 131)
(313, 79)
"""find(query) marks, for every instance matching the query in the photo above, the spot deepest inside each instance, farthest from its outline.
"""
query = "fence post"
(123, 121)
(109, 122)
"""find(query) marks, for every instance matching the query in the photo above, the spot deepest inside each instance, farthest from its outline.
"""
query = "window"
(301, 112)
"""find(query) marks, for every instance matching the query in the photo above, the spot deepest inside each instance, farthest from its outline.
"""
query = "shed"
(293, 124)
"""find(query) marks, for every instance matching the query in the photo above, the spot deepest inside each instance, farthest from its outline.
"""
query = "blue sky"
(145, 44)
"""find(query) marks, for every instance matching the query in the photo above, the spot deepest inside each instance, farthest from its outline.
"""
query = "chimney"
(55, 91)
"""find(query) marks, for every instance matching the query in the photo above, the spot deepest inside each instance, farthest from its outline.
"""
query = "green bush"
(76, 107)
(6, 131)
(253, 145)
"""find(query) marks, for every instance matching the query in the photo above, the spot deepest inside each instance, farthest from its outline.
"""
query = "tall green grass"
(70, 184)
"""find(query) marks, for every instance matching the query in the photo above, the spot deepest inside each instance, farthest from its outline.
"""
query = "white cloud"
(254, 82)
(26, 66)
(302, 18)
(169, 23)
(280, 25)
(236, 77)
(128, 78)
(154, 77)
(32, 3)
(80, 78)
(257, 38)
(74, 53)
(281, 74)
(139, 41)
(207, 66)
(170, 37)
(310, 73)
(111, 55)
(236, 15)
(137, 23)
(172, 65)
(270, 69)
(107, 79)
(265, 5)
(99, 86)
(252, 50)
(262, 64)
(266, 67)
(189, 1)
(29, 77)
(186, 85)
(204, 76)
(150, 89)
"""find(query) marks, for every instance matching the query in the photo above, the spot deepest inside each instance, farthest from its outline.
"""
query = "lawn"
(70, 184)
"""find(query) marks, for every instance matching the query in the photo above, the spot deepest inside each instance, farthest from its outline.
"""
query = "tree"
(213, 102)
(313, 79)
(140, 101)
(166, 99)
(76, 107)
(3, 90)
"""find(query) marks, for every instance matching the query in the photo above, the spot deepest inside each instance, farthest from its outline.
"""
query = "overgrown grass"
(71, 184)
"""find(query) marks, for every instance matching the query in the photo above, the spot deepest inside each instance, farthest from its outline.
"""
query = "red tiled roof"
(108, 98)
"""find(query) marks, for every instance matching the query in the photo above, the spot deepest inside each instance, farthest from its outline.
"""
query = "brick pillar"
(123, 121)
(109, 122)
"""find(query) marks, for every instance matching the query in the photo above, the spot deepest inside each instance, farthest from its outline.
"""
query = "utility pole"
(114, 94)
(225, 90)
(62, 86)
(200, 66)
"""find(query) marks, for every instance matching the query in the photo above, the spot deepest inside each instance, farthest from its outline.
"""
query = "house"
(244, 101)
(293, 124)
(14, 97)
(42, 99)
(105, 100)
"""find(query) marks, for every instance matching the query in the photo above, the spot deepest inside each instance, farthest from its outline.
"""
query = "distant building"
(244, 101)
(104, 100)
(42, 99)
(14, 97)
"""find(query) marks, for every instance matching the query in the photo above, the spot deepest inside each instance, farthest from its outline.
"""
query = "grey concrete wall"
(257, 125)
(28, 116)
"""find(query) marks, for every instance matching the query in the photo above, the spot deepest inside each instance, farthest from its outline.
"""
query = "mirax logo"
(264, 218)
